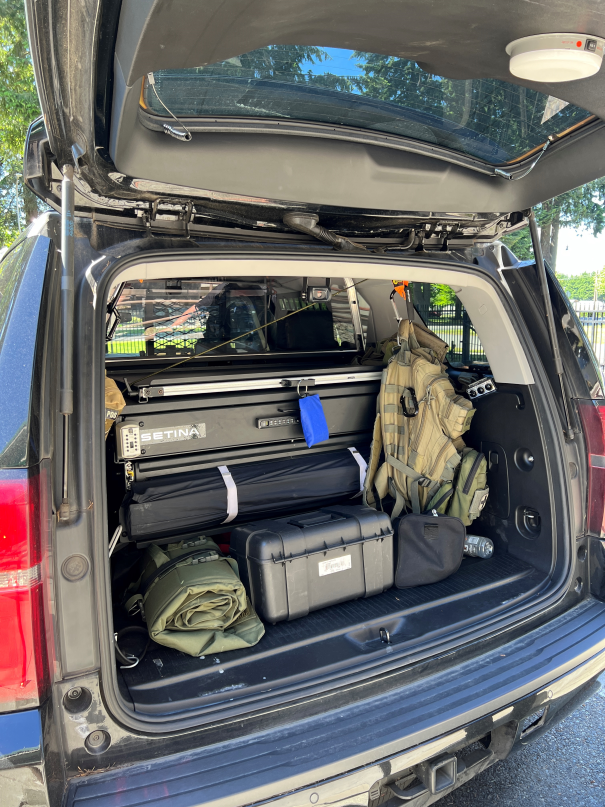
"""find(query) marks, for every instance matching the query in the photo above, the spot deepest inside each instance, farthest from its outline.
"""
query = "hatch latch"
(175, 209)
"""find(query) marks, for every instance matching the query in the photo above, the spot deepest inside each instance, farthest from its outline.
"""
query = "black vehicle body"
(491, 657)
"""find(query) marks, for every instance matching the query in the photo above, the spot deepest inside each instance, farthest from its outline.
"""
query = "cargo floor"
(329, 642)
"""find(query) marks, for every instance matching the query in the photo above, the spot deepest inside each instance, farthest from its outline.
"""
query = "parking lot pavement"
(564, 767)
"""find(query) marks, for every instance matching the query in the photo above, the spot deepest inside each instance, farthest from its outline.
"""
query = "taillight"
(23, 657)
(592, 414)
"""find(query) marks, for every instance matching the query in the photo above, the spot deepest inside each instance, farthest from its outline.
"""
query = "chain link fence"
(452, 324)
(592, 316)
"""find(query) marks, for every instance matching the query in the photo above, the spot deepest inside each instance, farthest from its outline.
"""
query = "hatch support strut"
(66, 395)
(550, 321)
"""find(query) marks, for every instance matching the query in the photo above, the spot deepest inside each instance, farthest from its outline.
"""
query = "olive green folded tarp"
(193, 600)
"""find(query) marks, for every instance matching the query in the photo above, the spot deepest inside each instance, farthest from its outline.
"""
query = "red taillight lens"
(592, 414)
(23, 658)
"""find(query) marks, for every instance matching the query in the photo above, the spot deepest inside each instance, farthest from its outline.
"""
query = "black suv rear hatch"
(267, 121)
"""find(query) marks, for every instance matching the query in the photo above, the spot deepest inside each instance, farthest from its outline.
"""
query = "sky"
(341, 63)
(579, 251)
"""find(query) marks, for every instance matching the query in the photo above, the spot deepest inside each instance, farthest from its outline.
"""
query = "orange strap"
(401, 287)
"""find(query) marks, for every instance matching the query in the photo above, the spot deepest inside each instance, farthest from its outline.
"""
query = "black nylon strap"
(166, 567)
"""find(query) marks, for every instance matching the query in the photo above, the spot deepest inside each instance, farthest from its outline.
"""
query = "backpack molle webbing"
(419, 424)
(382, 352)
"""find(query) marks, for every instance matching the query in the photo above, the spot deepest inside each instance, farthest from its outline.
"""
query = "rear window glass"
(485, 118)
(220, 317)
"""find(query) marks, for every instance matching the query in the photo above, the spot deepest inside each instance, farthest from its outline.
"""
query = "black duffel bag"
(428, 548)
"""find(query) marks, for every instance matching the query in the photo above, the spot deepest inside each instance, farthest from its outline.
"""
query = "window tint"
(174, 318)
(11, 275)
(486, 118)
(21, 283)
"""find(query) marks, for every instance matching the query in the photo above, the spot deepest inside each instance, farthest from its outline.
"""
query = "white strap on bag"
(231, 494)
(363, 466)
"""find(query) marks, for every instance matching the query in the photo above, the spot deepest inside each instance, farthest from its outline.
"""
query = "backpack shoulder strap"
(375, 449)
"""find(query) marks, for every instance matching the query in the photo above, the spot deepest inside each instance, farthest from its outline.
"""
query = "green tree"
(582, 208)
(442, 295)
(488, 118)
(187, 92)
(18, 107)
(582, 287)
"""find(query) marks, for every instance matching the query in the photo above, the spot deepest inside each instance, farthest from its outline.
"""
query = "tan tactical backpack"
(419, 425)
(382, 352)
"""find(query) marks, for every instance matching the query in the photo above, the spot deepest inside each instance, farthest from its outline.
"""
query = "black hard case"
(295, 565)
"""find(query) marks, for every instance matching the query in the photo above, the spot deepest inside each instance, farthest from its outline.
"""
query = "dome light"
(555, 57)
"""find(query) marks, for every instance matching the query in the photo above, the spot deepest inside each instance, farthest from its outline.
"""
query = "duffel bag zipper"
(472, 473)
(443, 499)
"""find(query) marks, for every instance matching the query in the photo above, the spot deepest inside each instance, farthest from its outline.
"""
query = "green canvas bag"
(466, 495)
(192, 600)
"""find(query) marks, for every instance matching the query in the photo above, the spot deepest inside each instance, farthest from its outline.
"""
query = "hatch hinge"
(183, 213)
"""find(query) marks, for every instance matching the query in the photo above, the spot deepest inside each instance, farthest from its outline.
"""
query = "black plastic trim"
(251, 125)
(543, 666)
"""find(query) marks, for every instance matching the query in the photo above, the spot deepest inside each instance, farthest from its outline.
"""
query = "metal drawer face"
(155, 434)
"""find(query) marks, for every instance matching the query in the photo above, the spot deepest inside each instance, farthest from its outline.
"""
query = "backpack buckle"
(408, 402)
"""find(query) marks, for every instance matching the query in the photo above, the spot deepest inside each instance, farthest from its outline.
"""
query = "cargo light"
(23, 658)
(555, 57)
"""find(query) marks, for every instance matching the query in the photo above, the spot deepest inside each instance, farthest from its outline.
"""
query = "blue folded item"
(313, 420)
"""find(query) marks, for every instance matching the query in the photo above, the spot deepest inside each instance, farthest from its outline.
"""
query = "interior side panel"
(517, 516)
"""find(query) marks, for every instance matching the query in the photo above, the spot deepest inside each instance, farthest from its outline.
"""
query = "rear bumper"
(339, 757)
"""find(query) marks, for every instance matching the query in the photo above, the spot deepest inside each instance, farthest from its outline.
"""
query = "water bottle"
(476, 546)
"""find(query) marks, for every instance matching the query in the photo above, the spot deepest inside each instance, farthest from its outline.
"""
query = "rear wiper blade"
(513, 177)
